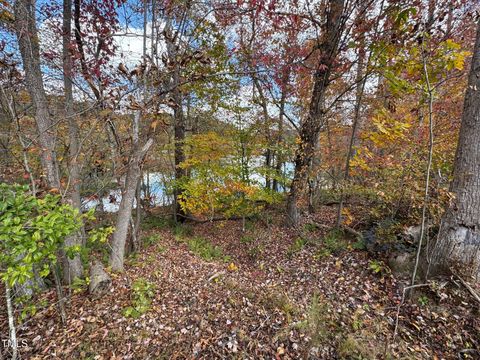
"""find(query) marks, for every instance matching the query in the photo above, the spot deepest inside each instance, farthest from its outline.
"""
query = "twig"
(400, 305)
(469, 288)
(61, 299)
(466, 351)
(216, 275)
(351, 231)
(429, 162)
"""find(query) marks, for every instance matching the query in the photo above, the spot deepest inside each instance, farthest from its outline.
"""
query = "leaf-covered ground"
(216, 292)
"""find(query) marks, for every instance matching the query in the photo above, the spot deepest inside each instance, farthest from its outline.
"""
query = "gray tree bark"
(172, 39)
(11, 323)
(312, 125)
(458, 244)
(125, 211)
(134, 174)
(279, 157)
(100, 281)
(72, 268)
(28, 42)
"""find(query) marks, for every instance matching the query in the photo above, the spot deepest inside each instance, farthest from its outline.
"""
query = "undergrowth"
(143, 292)
(205, 249)
(154, 222)
(333, 243)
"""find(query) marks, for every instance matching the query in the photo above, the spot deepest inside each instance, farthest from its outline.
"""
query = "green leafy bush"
(247, 239)
(378, 267)
(143, 292)
(32, 230)
(206, 250)
(297, 246)
(221, 176)
(155, 222)
(151, 239)
(333, 243)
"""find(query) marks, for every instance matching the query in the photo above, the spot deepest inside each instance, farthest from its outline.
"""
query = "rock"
(401, 263)
(100, 281)
(413, 232)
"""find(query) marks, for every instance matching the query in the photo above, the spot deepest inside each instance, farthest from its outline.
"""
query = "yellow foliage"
(232, 267)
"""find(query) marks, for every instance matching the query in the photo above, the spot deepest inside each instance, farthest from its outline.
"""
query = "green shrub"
(79, 285)
(151, 239)
(247, 239)
(297, 246)
(182, 231)
(423, 300)
(359, 245)
(154, 222)
(309, 227)
(142, 294)
(206, 250)
(32, 231)
(333, 243)
(96, 243)
(378, 267)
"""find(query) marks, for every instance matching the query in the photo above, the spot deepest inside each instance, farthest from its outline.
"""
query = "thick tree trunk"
(72, 268)
(28, 42)
(458, 245)
(133, 177)
(315, 119)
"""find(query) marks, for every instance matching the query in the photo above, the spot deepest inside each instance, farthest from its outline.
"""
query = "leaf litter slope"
(267, 294)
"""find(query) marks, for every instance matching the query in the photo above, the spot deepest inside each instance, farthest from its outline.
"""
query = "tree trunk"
(178, 117)
(72, 268)
(134, 175)
(11, 323)
(279, 157)
(80, 47)
(311, 126)
(124, 214)
(179, 141)
(266, 120)
(28, 42)
(458, 245)
(100, 281)
(360, 80)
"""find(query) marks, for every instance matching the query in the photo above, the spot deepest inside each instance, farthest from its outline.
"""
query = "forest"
(239, 179)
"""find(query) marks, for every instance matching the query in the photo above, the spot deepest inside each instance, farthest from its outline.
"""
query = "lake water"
(158, 192)
(111, 202)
